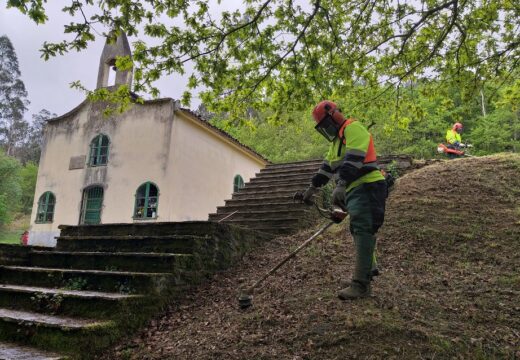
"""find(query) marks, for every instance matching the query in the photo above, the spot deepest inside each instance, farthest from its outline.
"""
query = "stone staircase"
(266, 202)
(102, 282)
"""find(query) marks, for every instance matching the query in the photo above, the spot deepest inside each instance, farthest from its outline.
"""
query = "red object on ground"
(24, 239)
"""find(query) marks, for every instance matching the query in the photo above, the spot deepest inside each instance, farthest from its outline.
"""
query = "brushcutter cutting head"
(245, 301)
(337, 214)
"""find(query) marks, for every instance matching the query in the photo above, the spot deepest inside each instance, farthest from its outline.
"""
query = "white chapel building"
(156, 162)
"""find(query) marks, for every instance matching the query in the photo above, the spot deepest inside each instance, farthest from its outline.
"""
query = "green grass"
(10, 237)
(11, 233)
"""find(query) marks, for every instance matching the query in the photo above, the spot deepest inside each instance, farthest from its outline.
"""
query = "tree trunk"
(483, 103)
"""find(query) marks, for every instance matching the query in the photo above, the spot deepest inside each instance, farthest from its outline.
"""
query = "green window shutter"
(92, 205)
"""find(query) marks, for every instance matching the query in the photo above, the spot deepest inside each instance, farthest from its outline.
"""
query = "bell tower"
(107, 63)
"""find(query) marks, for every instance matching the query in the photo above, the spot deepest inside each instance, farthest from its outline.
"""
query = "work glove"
(339, 195)
(305, 196)
(308, 194)
(390, 181)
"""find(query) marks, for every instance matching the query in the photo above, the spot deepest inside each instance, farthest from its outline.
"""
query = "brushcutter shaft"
(288, 257)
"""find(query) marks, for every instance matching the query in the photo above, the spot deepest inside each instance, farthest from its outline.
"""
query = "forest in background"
(412, 122)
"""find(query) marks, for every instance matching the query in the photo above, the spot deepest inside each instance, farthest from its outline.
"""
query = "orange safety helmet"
(457, 127)
(328, 118)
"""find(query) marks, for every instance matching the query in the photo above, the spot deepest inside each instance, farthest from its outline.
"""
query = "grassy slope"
(11, 235)
(450, 284)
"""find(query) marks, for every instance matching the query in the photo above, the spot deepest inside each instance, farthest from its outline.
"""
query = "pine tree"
(13, 99)
(30, 150)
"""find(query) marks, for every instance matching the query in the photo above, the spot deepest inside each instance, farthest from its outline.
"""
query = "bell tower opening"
(112, 73)
(108, 74)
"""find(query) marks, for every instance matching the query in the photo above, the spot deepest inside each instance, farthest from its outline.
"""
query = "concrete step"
(302, 169)
(258, 223)
(9, 351)
(281, 186)
(56, 332)
(261, 206)
(264, 199)
(268, 194)
(260, 215)
(92, 304)
(284, 178)
(294, 164)
(309, 171)
(113, 261)
(181, 244)
(93, 280)
(172, 229)
(274, 229)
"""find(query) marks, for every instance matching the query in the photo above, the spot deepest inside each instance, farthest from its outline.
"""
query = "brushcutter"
(335, 214)
(454, 151)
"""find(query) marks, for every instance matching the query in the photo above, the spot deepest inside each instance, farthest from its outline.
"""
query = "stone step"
(92, 304)
(93, 280)
(284, 178)
(184, 228)
(287, 185)
(275, 223)
(260, 215)
(181, 244)
(9, 351)
(275, 230)
(268, 194)
(287, 168)
(310, 171)
(244, 206)
(113, 261)
(295, 164)
(264, 199)
(55, 332)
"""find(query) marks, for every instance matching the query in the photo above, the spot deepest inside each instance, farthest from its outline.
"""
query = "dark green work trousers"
(366, 206)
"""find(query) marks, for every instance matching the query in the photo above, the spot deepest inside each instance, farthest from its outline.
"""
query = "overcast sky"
(48, 82)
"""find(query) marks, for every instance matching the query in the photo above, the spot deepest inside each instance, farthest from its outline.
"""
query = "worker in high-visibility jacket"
(453, 137)
(361, 188)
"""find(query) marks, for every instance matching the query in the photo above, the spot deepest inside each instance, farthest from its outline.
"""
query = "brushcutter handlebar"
(335, 213)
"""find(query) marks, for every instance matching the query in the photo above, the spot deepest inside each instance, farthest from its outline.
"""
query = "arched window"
(238, 183)
(45, 213)
(99, 151)
(146, 201)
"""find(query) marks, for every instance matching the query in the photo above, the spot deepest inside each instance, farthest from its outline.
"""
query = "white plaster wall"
(204, 166)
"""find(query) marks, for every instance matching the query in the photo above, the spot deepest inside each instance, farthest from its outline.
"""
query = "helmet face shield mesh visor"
(328, 128)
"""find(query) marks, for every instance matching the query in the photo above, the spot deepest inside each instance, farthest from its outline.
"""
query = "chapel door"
(91, 205)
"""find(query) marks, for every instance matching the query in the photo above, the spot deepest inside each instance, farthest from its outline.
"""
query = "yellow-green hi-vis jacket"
(452, 137)
(352, 157)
